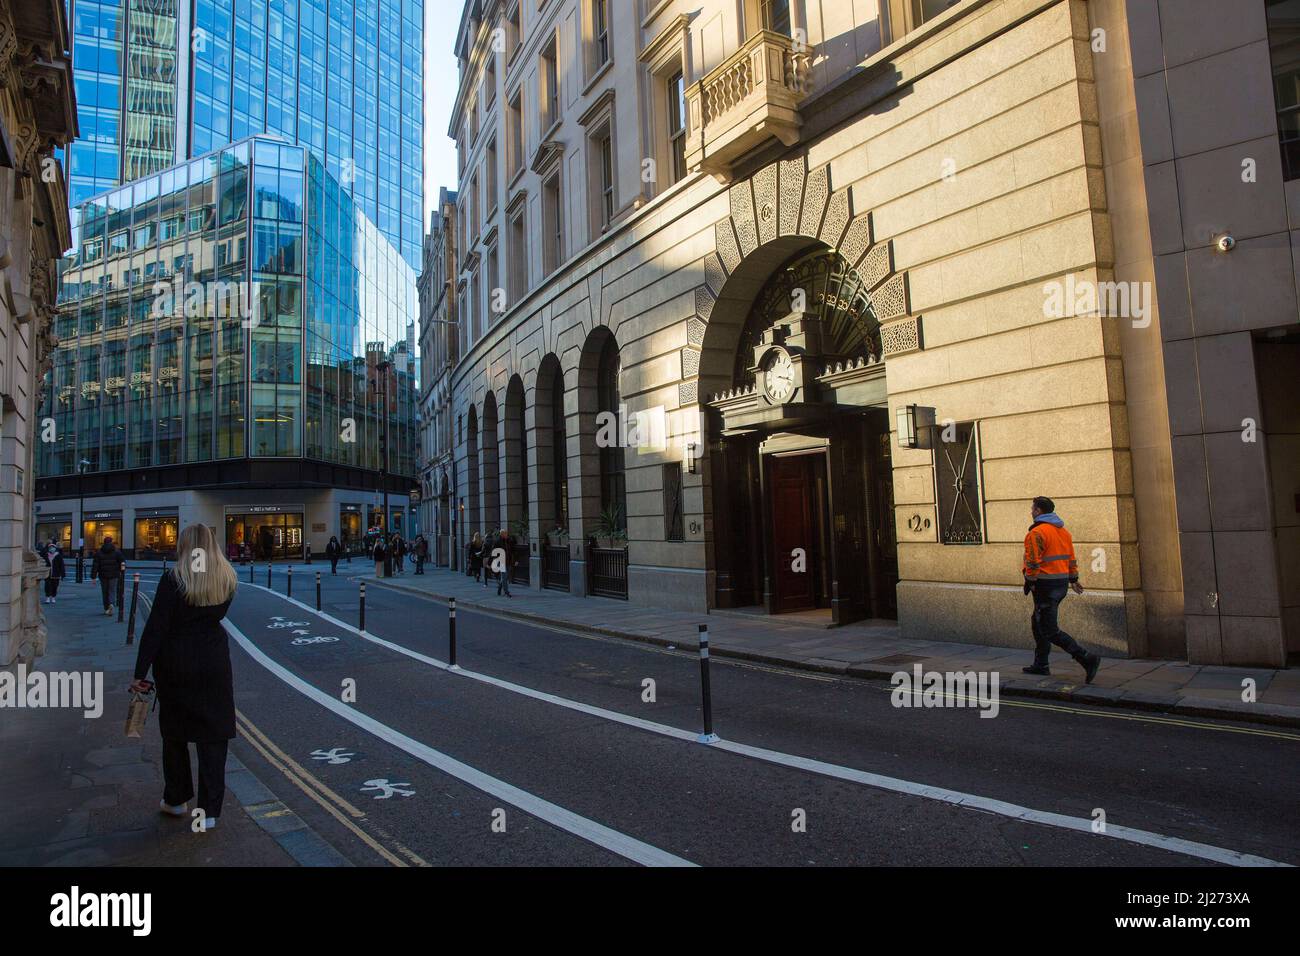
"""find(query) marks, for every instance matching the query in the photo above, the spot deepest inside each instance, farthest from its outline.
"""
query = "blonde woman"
(185, 644)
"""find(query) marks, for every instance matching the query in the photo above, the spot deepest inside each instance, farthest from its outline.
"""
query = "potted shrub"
(609, 528)
(519, 528)
(557, 537)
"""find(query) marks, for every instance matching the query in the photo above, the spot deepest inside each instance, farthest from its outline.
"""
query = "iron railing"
(555, 567)
(607, 572)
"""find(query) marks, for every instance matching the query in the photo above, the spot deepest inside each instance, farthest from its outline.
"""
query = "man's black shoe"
(1090, 666)
(1040, 671)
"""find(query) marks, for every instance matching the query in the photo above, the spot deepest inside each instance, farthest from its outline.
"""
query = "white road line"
(955, 797)
(589, 830)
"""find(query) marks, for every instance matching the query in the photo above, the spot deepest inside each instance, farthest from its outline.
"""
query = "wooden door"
(793, 528)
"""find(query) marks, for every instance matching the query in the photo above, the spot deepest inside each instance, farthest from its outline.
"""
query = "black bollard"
(451, 632)
(361, 625)
(268, 574)
(318, 590)
(250, 573)
(308, 547)
(121, 589)
(708, 736)
(135, 597)
(80, 551)
(288, 590)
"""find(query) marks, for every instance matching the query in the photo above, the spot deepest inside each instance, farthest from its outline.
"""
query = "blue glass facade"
(159, 81)
(234, 306)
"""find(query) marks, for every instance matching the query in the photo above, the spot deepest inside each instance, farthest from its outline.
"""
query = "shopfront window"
(155, 537)
(267, 537)
(58, 529)
(351, 533)
(98, 529)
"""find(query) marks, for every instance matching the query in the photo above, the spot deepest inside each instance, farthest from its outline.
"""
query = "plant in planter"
(557, 537)
(610, 532)
(519, 528)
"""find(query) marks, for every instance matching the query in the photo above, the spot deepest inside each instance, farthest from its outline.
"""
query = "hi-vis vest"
(1049, 554)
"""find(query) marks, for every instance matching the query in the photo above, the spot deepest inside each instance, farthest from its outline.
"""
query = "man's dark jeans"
(108, 590)
(1047, 599)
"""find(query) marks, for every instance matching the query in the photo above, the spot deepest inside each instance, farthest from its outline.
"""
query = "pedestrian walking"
(379, 553)
(421, 552)
(187, 649)
(506, 543)
(334, 551)
(1051, 571)
(58, 571)
(476, 557)
(399, 554)
(107, 565)
(489, 556)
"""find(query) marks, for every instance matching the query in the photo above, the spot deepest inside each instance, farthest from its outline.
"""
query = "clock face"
(778, 377)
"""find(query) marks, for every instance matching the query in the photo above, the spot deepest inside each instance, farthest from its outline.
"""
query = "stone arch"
(779, 212)
(600, 469)
(489, 435)
(514, 480)
(548, 445)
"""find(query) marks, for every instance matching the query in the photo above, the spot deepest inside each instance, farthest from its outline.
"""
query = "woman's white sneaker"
(172, 811)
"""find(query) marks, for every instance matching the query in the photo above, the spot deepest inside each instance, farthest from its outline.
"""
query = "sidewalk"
(878, 650)
(77, 791)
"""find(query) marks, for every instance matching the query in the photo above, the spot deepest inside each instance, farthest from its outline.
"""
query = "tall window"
(906, 15)
(957, 485)
(776, 16)
(1284, 50)
(496, 306)
(517, 261)
(600, 33)
(550, 87)
(677, 123)
(674, 525)
(559, 453)
(605, 199)
(514, 136)
(553, 224)
(490, 176)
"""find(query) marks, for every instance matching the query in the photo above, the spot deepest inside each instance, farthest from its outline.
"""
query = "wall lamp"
(915, 423)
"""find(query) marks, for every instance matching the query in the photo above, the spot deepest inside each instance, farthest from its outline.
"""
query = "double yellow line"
(340, 809)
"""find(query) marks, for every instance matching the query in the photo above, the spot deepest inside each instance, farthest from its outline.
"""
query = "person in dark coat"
(421, 549)
(58, 571)
(187, 649)
(107, 565)
(506, 543)
(334, 551)
(379, 553)
(476, 557)
(399, 553)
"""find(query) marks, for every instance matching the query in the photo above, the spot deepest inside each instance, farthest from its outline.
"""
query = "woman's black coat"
(190, 655)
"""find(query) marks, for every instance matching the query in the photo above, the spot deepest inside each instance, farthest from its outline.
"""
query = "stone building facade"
(37, 115)
(439, 350)
(856, 281)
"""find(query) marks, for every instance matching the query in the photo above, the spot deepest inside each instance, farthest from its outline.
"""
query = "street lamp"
(81, 513)
(383, 366)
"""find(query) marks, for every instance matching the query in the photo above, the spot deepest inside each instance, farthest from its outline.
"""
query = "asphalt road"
(500, 777)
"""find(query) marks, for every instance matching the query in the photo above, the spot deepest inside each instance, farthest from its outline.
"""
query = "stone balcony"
(750, 99)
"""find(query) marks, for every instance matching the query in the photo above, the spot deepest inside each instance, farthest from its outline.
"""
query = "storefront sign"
(263, 509)
(103, 515)
(155, 512)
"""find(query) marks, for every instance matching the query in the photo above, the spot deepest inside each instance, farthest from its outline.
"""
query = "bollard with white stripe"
(708, 737)
(135, 597)
(318, 590)
(361, 624)
(451, 633)
(289, 586)
(251, 566)
(268, 574)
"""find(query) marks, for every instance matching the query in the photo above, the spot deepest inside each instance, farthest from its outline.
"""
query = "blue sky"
(441, 17)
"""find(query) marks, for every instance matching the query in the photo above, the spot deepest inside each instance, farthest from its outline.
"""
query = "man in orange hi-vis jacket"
(1050, 572)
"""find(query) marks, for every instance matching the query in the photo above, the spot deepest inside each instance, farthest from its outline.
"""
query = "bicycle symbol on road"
(334, 755)
(276, 625)
(386, 789)
(300, 641)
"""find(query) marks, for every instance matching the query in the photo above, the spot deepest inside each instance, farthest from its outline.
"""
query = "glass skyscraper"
(161, 81)
(235, 316)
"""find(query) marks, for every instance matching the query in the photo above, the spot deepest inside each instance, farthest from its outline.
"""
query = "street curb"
(1186, 706)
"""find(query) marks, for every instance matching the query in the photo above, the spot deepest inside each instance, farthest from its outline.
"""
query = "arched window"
(822, 285)
(613, 485)
(560, 453)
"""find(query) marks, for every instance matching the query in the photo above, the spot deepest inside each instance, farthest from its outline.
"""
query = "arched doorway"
(800, 474)
(445, 557)
(514, 478)
(471, 515)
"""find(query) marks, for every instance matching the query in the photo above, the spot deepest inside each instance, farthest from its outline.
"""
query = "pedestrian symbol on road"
(333, 755)
(386, 789)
